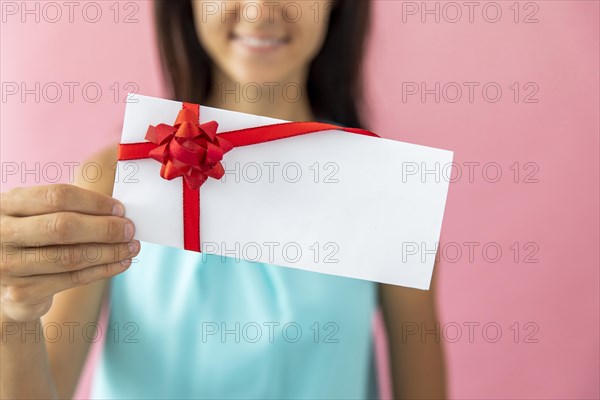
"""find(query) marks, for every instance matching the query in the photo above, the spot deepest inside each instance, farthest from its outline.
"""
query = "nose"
(259, 12)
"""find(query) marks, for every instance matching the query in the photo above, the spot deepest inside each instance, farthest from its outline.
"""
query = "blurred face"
(256, 41)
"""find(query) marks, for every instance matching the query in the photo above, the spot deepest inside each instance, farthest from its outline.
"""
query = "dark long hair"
(335, 76)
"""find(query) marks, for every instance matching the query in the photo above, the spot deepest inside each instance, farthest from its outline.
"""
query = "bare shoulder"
(97, 173)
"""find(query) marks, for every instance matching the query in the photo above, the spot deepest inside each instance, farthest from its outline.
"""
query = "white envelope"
(331, 202)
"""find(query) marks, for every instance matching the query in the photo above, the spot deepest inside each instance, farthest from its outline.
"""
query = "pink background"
(559, 134)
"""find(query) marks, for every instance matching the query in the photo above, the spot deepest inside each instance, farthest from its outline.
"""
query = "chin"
(258, 76)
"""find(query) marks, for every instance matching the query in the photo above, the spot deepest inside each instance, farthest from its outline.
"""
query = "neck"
(287, 100)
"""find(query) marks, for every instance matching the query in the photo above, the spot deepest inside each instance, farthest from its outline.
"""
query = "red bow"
(188, 149)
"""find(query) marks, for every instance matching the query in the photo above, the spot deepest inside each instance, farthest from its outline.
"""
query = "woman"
(184, 326)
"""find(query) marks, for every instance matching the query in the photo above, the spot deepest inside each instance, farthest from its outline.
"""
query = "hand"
(54, 238)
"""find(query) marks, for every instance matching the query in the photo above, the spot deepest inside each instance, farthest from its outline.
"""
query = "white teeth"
(252, 41)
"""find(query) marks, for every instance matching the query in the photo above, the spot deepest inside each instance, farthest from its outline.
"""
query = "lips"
(260, 42)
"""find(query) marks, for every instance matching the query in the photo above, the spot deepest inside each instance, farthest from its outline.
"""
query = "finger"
(48, 285)
(38, 200)
(66, 227)
(30, 261)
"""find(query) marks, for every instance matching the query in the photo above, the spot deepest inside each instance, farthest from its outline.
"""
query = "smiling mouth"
(259, 43)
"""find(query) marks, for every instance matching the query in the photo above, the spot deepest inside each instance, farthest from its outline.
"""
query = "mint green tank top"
(184, 325)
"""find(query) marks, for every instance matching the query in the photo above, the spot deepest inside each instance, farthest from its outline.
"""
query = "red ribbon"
(194, 152)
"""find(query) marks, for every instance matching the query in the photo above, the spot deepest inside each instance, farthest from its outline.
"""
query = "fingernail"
(133, 246)
(126, 263)
(128, 231)
(118, 210)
